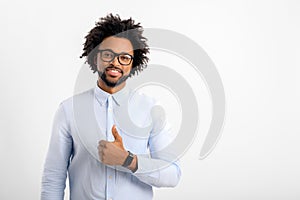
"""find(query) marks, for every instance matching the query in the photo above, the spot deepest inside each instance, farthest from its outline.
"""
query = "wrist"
(128, 159)
(130, 162)
(134, 164)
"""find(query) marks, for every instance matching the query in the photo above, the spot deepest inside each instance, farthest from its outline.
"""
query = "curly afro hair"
(113, 26)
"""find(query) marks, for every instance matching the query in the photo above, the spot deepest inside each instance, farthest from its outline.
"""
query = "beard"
(103, 77)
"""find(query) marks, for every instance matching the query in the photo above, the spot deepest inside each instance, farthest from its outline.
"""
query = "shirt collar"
(119, 97)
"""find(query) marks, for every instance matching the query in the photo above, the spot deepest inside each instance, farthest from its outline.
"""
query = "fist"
(112, 153)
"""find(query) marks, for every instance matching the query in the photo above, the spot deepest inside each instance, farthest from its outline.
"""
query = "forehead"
(117, 44)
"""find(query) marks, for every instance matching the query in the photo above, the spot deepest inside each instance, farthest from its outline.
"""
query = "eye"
(125, 57)
(107, 54)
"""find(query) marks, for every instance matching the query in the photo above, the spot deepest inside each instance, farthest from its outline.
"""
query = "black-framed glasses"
(108, 55)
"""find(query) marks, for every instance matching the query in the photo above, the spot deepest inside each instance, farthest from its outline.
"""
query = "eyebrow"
(123, 52)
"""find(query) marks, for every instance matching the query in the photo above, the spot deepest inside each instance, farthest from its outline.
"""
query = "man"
(116, 160)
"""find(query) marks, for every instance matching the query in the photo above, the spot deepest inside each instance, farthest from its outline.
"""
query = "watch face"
(130, 154)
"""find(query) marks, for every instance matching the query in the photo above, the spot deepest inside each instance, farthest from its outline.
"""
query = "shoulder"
(68, 104)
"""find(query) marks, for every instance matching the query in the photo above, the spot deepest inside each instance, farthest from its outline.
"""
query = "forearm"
(54, 176)
(157, 172)
(53, 185)
(57, 159)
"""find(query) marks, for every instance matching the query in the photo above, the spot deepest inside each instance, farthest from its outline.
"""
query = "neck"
(108, 89)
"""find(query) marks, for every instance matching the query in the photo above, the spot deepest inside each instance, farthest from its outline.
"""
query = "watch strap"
(128, 160)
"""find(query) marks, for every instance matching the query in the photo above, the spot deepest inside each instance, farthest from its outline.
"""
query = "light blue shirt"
(73, 148)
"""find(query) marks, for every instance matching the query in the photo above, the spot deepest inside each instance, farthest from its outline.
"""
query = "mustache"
(114, 68)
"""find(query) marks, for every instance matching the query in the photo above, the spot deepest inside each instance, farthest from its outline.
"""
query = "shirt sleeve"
(57, 159)
(160, 168)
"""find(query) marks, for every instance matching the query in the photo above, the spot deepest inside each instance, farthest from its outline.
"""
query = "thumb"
(118, 138)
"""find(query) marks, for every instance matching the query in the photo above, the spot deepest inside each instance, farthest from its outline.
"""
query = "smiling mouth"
(113, 71)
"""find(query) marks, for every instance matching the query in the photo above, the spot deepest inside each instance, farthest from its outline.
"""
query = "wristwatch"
(128, 160)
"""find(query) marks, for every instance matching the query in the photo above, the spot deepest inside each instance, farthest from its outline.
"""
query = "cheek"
(100, 64)
(127, 69)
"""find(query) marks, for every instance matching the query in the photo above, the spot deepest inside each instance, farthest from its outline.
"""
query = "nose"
(115, 61)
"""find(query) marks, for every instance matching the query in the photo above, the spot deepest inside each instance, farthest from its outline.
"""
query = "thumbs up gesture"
(112, 153)
(118, 139)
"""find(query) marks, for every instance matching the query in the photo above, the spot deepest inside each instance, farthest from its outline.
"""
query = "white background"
(255, 46)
